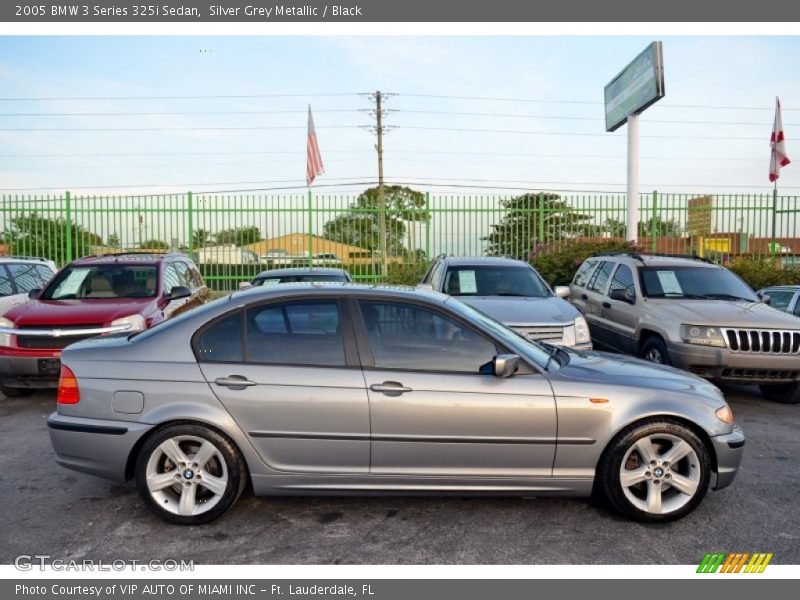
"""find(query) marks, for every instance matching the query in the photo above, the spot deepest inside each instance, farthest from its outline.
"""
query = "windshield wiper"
(722, 296)
(511, 294)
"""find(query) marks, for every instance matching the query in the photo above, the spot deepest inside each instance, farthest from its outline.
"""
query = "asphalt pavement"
(47, 509)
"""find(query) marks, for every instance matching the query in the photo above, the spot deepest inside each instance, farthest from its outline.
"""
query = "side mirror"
(623, 296)
(34, 293)
(425, 286)
(245, 285)
(562, 291)
(505, 365)
(764, 298)
(179, 292)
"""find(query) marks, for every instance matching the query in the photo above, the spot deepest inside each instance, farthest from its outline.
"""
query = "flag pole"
(310, 229)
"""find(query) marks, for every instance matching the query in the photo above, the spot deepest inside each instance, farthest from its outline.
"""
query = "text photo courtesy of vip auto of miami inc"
(384, 300)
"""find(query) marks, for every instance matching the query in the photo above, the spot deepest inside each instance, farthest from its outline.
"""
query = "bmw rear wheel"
(189, 474)
(657, 471)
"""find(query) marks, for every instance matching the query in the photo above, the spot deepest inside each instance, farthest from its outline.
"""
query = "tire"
(784, 393)
(655, 350)
(187, 498)
(647, 492)
(12, 392)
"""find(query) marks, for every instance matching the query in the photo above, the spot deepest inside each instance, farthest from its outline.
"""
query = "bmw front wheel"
(189, 474)
(657, 471)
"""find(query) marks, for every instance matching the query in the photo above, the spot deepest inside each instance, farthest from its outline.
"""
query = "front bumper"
(729, 449)
(32, 372)
(94, 446)
(722, 365)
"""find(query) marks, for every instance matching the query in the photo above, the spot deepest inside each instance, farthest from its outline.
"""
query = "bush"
(558, 263)
(760, 272)
(406, 274)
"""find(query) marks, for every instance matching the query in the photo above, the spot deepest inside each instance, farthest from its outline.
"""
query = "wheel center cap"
(658, 472)
(188, 474)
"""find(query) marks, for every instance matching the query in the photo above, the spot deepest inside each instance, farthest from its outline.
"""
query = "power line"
(573, 134)
(248, 128)
(185, 97)
(185, 185)
(166, 113)
(178, 153)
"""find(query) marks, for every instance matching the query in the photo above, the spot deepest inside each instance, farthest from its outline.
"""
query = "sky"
(214, 114)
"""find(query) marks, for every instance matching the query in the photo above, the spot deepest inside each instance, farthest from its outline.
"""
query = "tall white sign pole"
(633, 179)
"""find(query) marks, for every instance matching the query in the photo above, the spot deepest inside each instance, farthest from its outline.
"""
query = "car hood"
(77, 312)
(723, 313)
(523, 311)
(618, 369)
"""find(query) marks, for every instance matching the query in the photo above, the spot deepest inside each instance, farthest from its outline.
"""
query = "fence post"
(310, 229)
(541, 218)
(653, 222)
(427, 227)
(68, 216)
(190, 223)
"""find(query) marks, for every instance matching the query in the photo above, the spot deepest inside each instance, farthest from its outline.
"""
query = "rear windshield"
(103, 282)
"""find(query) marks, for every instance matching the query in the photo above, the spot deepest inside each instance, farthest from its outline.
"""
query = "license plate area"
(50, 366)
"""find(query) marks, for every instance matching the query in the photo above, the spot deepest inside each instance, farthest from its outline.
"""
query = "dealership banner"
(255, 11)
(386, 589)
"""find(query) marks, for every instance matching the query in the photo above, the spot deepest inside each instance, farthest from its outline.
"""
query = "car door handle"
(390, 387)
(606, 304)
(584, 297)
(234, 381)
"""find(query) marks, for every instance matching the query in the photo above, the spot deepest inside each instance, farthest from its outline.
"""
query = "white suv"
(19, 275)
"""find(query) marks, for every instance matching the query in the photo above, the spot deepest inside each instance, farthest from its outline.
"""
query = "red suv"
(95, 295)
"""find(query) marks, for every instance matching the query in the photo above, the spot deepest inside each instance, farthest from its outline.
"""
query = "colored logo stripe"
(734, 562)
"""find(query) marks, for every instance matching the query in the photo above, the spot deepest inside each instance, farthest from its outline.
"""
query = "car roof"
(346, 288)
(301, 271)
(467, 261)
(783, 288)
(127, 258)
(18, 259)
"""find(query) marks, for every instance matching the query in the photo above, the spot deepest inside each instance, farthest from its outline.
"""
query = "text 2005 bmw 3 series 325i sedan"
(314, 389)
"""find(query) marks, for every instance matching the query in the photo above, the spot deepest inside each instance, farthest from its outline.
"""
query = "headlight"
(702, 335)
(136, 322)
(582, 331)
(725, 414)
(5, 338)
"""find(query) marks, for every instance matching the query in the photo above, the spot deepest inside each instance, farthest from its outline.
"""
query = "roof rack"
(148, 253)
(640, 256)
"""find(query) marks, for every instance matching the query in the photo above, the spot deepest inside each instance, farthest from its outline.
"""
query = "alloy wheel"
(660, 473)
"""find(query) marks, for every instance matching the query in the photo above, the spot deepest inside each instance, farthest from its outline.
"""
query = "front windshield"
(298, 279)
(488, 280)
(103, 282)
(694, 282)
(511, 338)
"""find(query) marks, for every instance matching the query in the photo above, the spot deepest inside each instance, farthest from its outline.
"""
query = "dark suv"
(95, 295)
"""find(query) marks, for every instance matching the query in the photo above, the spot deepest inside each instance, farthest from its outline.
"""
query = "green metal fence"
(232, 237)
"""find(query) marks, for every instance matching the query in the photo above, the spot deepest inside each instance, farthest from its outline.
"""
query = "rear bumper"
(722, 365)
(36, 372)
(94, 446)
(729, 449)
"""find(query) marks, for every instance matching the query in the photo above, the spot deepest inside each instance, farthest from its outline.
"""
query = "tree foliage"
(526, 216)
(35, 235)
(200, 238)
(360, 225)
(154, 245)
(239, 236)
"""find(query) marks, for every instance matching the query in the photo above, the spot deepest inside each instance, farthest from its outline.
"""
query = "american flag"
(314, 164)
(778, 156)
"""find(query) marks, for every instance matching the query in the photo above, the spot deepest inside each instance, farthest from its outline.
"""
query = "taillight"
(68, 392)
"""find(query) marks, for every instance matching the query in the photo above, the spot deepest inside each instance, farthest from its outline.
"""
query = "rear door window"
(296, 333)
(6, 288)
(222, 341)
(599, 280)
(623, 280)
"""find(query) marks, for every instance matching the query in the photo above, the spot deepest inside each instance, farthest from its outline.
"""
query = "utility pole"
(379, 130)
(381, 198)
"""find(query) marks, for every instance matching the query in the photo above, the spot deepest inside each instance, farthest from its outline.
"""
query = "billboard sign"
(636, 87)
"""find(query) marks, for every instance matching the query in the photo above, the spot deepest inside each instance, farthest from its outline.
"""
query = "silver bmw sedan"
(342, 388)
